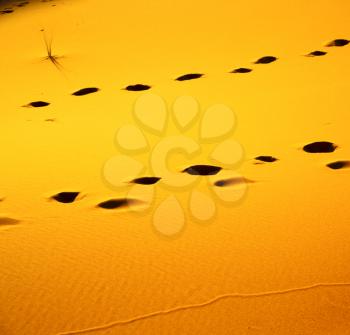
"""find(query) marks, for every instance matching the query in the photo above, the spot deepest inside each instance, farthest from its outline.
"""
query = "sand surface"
(178, 259)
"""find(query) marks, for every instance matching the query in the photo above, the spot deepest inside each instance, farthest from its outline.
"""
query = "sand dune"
(155, 192)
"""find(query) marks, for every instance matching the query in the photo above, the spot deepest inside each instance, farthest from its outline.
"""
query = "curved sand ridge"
(202, 305)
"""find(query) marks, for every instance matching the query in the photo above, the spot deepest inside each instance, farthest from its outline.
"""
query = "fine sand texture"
(174, 167)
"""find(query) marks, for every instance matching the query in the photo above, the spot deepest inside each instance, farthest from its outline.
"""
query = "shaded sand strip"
(204, 304)
(8, 221)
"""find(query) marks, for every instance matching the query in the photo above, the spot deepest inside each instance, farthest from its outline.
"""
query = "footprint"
(7, 221)
(22, 4)
(137, 87)
(241, 70)
(266, 159)
(85, 91)
(339, 165)
(266, 60)
(37, 104)
(189, 76)
(232, 181)
(65, 197)
(7, 11)
(319, 147)
(118, 203)
(316, 53)
(202, 170)
(146, 180)
(339, 42)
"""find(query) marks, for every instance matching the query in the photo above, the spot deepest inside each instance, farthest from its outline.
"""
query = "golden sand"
(264, 253)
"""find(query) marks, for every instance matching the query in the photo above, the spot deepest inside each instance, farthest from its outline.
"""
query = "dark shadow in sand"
(189, 76)
(146, 180)
(37, 104)
(232, 181)
(339, 42)
(118, 203)
(316, 53)
(137, 87)
(339, 165)
(266, 60)
(7, 6)
(6, 221)
(85, 91)
(65, 197)
(241, 70)
(22, 4)
(266, 159)
(319, 147)
(202, 170)
(11, 3)
(6, 11)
